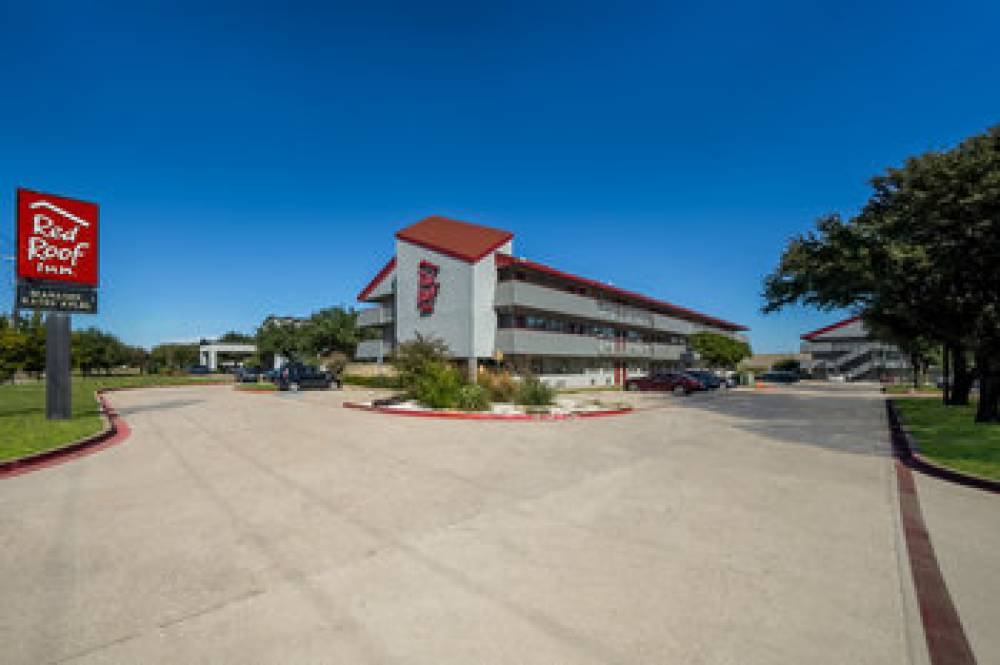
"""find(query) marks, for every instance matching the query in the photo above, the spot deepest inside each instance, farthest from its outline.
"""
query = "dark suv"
(297, 376)
(709, 380)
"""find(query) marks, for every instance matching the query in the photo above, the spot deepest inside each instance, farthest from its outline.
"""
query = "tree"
(234, 337)
(286, 339)
(332, 329)
(94, 349)
(326, 331)
(719, 350)
(33, 329)
(173, 356)
(787, 365)
(12, 342)
(919, 262)
(415, 356)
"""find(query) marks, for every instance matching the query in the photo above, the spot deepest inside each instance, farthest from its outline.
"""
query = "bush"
(390, 382)
(335, 362)
(413, 358)
(500, 386)
(533, 392)
(473, 397)
(437, 385)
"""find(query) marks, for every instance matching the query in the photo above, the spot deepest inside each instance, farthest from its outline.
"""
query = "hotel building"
(847, 350)
(462, 283)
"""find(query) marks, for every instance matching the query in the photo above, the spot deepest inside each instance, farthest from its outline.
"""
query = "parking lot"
(730, 528)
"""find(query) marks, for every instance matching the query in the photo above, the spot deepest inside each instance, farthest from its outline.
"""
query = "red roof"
(833, 326)
(460, 240)
(669, 308)
(382, 274)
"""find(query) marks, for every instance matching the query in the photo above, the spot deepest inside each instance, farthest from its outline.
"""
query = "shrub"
(533, 392)
(437, 385)
(413, 357)
(390, 382)
(500, 386)
(472, 397)
(335, 362)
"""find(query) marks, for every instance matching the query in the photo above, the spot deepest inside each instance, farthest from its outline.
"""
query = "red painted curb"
(907, 451)
(465, 415)
(116, 432)
(947, 643)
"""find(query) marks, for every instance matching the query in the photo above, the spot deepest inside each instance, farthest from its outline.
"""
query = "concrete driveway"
(739, 528)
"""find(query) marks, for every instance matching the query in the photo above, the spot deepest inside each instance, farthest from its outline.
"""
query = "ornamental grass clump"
(532, 391)
(500, 386)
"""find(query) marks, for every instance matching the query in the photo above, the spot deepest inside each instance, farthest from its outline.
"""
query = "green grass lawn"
(256, 387)
(24, 429)
(948, 435)
(903, 389)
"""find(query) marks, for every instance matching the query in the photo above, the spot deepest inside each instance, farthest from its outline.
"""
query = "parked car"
(271, 375)
(676, 382)
(729, 378)
(198, 369)
(247, 374)
(707, 379)
(298, 376)
(779, 377)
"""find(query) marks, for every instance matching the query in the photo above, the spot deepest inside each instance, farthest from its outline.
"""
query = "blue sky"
(254, 159)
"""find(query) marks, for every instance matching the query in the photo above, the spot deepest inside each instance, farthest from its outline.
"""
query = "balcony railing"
(522, 341)
(514, 293)
(375, 316)
(373, 349)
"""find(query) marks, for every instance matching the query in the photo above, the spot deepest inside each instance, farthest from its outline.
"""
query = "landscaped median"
(561, 410)
(24, 430)
(948, 436)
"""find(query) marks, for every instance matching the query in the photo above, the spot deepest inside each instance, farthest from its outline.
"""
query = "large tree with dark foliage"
(920, 261)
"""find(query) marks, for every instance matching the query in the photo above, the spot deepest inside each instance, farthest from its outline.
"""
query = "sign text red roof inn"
(56, 238)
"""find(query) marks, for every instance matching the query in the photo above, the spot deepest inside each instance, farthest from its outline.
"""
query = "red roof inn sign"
(56, 252)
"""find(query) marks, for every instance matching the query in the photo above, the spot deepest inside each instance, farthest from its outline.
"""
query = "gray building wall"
(463, 316)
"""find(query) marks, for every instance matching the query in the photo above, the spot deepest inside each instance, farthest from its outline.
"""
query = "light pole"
(13, 308)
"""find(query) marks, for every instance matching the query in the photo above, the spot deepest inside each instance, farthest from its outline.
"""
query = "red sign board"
(427, 287)
(56, 238)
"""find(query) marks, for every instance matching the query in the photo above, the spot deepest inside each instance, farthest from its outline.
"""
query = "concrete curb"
(115, 431)
(466, 415)
(944, 634)
(906, 450)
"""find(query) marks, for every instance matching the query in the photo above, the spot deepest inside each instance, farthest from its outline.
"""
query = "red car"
(675, 382)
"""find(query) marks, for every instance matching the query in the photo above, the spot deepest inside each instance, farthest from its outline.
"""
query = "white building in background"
(846, 349)
(235, 353)
(461, 282)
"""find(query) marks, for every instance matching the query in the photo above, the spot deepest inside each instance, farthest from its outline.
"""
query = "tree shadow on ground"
(843, 419)
(158, 406)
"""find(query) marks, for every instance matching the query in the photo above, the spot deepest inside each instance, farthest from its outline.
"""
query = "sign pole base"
(58, 392)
